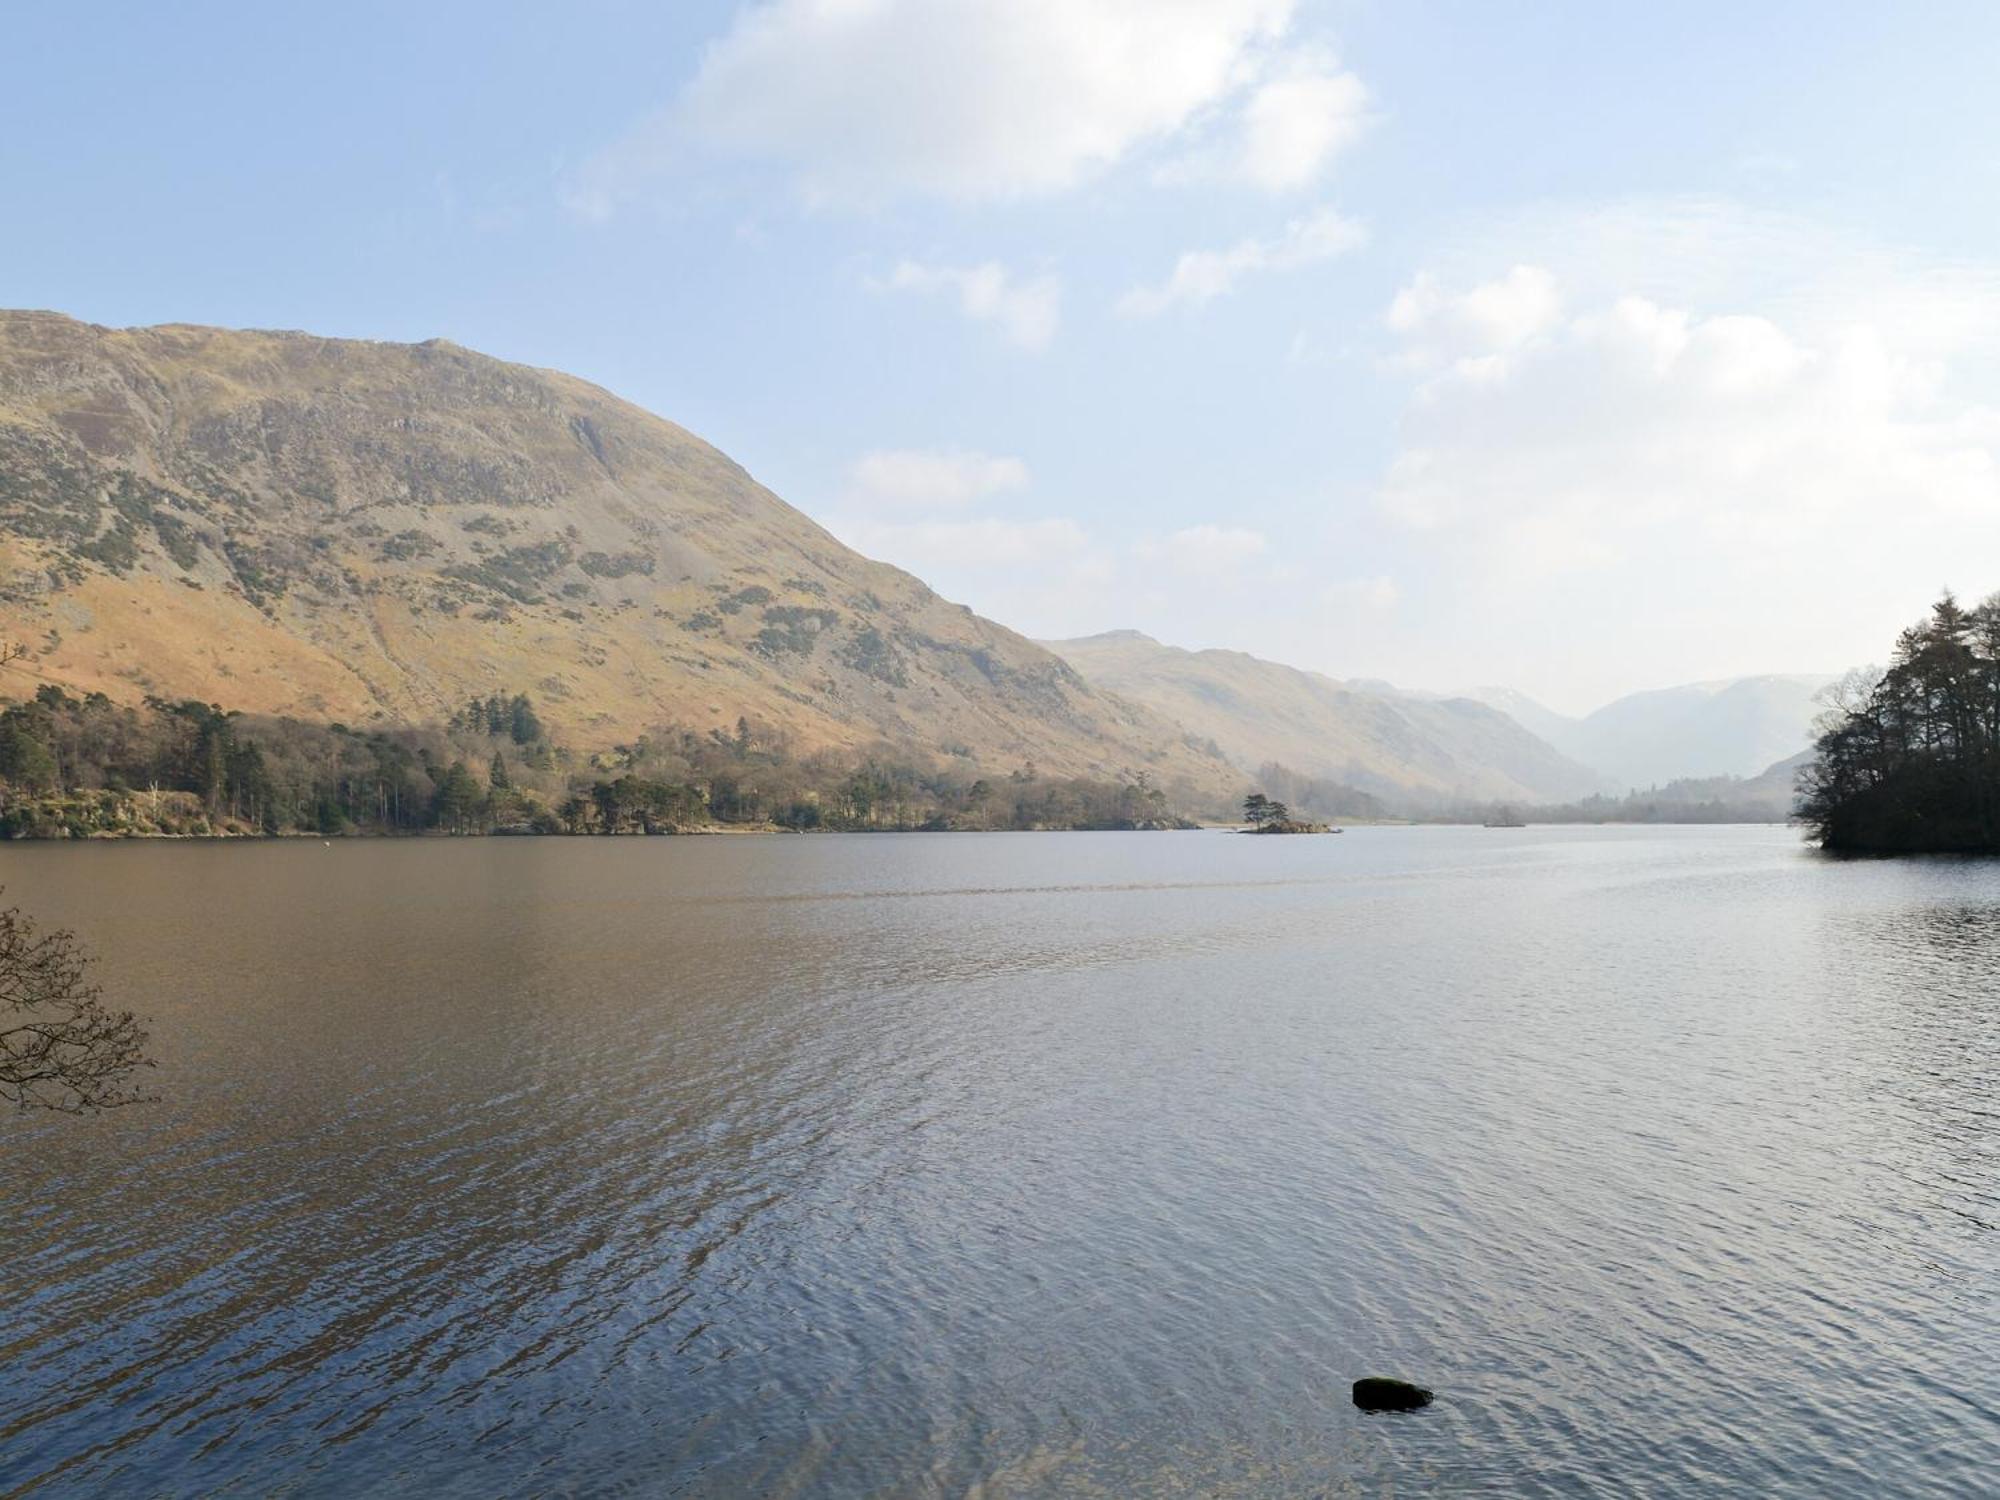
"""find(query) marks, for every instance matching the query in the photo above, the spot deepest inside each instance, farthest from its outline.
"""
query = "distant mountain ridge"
(373, 532)
(1736, 727)
(1410, 750)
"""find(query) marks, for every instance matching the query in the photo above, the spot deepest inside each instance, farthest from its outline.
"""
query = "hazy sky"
(1581, 346)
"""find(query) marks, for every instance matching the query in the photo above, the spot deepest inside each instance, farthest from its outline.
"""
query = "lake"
(1035, 1164)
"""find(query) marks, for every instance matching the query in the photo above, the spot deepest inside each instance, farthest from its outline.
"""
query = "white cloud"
(1027, 310)
(1491, 318)
(1299, 119)
(1636, 415)
(934, 478)
(1688, 487)
(860, 100)
(1201, 276)
(1700, 252)
(1205, 551)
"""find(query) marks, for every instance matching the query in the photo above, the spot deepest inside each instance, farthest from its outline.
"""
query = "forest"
(1908, 758)
(81, 767)
(1697, 799)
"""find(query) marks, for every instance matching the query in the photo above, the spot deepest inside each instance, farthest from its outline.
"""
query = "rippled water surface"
(1018, 1165)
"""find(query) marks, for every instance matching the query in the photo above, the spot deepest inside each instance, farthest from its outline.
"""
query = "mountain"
(1543, 723)
(1732, 728)
(1776, 786)
(1406, 749)
(374, 532)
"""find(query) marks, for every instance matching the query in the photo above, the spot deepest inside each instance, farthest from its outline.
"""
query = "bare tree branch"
(61, 1048)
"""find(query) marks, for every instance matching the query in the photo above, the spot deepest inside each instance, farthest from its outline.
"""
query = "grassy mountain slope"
(372, 532)
(1403, 748)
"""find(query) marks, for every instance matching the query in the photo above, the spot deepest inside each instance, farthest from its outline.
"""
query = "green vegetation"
(89, 768)
(791, 630)
(515, 573)
(408, 544)
(616, 564)
(870, 652)
(82, 767)
(1909, 759)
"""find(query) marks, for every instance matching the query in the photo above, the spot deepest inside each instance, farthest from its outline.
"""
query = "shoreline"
(773, 830)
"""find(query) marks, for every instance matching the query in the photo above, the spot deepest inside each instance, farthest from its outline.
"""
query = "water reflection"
(1067, 1165)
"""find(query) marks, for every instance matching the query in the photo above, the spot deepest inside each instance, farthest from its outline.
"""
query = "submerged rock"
(1377, 1393)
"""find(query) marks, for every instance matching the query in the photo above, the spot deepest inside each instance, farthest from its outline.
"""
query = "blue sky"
(1578, 347)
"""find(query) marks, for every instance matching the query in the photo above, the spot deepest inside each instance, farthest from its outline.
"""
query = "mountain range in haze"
(373, 532)
(1708, 729)
(1417, 749)
(1403, 748)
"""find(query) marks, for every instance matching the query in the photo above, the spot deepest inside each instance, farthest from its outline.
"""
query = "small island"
(1267, 815)
(1908, 759)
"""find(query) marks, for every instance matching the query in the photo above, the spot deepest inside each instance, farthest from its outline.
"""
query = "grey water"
(1043, 1164)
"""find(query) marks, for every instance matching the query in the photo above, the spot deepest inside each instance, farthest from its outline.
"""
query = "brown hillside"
(374, 532)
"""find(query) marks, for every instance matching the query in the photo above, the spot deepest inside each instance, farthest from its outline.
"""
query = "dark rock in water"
(1378, 1394)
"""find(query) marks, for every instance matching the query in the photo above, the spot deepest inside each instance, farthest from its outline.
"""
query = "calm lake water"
(1044, 1164)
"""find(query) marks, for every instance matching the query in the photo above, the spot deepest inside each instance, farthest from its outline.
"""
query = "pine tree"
(523, 726)
(25, 760)
(458, 798)
(1910, 759)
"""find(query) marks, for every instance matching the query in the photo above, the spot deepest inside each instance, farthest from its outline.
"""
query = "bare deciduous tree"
(61, 1048)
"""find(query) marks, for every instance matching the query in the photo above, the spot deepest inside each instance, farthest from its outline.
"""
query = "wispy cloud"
(1201, 276)
(1026, 310)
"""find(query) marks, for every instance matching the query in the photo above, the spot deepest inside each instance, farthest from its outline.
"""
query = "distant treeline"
(1708, 799)
(1712, 799)
(88, 767)
(1909, 758)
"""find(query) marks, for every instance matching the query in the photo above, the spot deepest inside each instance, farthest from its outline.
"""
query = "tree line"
(1908, 757)
(85, 766)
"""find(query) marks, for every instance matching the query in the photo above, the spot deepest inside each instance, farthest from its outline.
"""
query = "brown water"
(1018, 1165)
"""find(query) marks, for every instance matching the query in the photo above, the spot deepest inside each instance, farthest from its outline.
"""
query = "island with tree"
(1267, 815)
(1908, 758)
